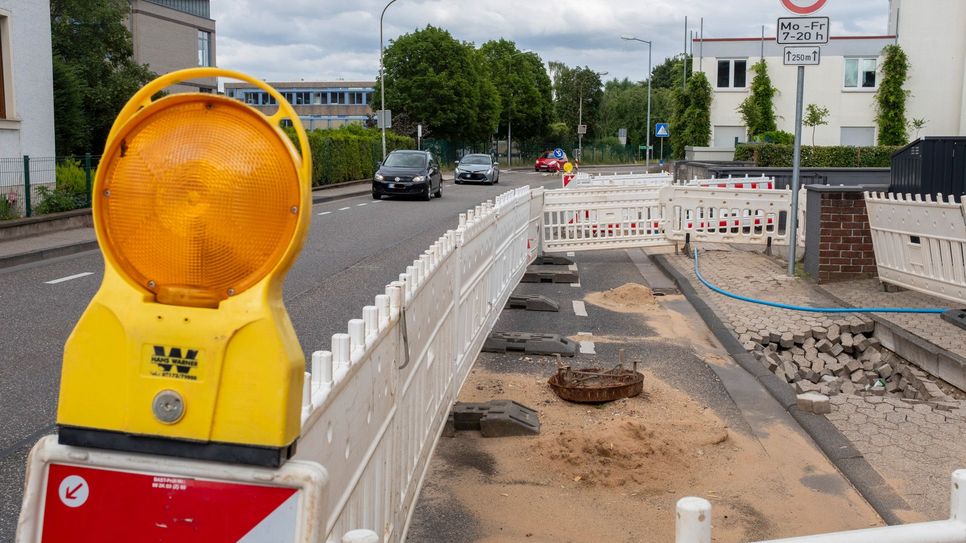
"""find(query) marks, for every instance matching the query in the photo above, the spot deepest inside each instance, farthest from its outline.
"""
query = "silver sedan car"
(477, 169)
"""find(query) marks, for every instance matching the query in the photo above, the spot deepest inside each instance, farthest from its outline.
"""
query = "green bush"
(348, 153)
(57, 200)
(7, 210)
(71, 177)
(770, 155)
(777, 136)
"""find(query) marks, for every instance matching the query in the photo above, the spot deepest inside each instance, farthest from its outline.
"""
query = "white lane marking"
(571, 254)
(362, 204)
(587, 347)
(580, 309)
(68, 278)
(377, 202)
(575, 285)
(573, 267)
(344, 208)
(324, 213)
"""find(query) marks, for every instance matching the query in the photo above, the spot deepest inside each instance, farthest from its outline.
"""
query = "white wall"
(824, 86)
(29, 129)
(933, 35)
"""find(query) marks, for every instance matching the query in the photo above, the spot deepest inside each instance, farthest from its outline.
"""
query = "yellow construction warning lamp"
(201, 205)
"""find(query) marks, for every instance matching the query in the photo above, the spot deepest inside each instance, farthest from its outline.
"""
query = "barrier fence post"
(26, 185)
(693, 521)
(87, 178)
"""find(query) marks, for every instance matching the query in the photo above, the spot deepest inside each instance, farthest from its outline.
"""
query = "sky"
(328, 40)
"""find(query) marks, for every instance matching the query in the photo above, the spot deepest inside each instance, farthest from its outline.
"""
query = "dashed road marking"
(324, 213)
(344, 208)
(362, 204)
(587, 346)
(580, 309)
(68, 278)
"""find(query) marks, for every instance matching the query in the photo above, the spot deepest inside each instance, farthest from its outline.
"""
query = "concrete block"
(750, 346)
(836, 350)
(824, 346)
(892, 387)
(811, 354)
(834, 333)
(885, 371)
(799, 338)
(791, 372)
(857, 377)
(848, 387)
(809, 343)
(861, 342)
(800, 361)
(775, 337)
(785, 355)
(818, 365)
(829, 359)
(787, 340)
(845, 340)
(796, 350)
(819, 333)
(853, 365)
(805, 386)
(814, 402)
(773, 361)
(932, 391)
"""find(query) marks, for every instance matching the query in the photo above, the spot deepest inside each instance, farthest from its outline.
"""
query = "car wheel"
(497, 179)
(439, 191)
(376, 196)
(457, 181)
(427, 194)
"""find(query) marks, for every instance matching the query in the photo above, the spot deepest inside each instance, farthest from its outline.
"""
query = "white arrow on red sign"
(803, 7)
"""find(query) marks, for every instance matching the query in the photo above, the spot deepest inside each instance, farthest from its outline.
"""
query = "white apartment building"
(930, 31)
(26, 80)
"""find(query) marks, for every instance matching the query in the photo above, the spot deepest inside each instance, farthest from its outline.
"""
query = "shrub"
(57, 200)
(7, 210)
(348, 153)
(769, 155)
(71, 177)
(777, 136)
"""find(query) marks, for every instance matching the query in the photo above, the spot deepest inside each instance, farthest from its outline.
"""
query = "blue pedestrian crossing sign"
(662, 130)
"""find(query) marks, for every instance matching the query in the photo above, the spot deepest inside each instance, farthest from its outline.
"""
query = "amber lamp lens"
(199, 202)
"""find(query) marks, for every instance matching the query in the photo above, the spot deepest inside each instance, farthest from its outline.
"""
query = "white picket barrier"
(376, 403)
(920, 243)
(694, 524)
(602, 218)
(728, 215)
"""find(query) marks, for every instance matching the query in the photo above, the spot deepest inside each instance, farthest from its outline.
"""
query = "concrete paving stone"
(824, 346)
(819, 333)
(834, 333)
(837, 349)
(787, 340)
(846, 341)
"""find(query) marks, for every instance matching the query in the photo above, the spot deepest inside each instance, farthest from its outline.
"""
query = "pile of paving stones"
(842, 359)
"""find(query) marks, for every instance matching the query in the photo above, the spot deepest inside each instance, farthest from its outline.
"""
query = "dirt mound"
(630, 298)
(629, 452)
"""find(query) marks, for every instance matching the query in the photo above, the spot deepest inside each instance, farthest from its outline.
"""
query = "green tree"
(815, 116)
(93, 65)
(697, 116)
(891, 97)
(524, 88)
(680, 101)
(571, 85)
(918, 124)
(758, 109)
(441, 83)
(624, 105)
(668, 74)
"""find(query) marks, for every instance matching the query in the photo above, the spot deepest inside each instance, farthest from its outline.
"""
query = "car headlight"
(418, 179)
(378, 177)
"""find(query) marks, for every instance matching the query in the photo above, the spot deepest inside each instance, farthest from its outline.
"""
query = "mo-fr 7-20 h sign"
(803, 30)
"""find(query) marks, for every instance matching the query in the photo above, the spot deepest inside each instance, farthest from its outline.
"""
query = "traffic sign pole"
(796, 173)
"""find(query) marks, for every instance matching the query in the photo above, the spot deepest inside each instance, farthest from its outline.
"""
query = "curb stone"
(837, 448)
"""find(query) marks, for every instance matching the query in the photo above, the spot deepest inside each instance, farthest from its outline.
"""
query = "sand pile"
(630, 298)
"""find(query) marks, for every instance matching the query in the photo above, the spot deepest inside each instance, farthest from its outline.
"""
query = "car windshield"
(549, 154)
(475, 159)
(406, 160)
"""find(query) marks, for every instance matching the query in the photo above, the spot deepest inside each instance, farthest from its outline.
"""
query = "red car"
(549, 163)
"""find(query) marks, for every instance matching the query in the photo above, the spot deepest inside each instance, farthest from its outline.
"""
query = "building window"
(858, 136)
(204, 48)
(732, 73)
(860, 73)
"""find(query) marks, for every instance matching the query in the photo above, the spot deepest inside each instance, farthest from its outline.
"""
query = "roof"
(285, 85)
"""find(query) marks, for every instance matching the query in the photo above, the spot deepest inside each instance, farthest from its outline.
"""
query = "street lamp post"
(649, 77)
(382, 79)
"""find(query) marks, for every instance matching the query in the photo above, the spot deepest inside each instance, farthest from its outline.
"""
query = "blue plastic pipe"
(928, 311)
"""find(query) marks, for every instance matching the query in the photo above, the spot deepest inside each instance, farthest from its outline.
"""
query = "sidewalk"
(912, 443)
(76, 240)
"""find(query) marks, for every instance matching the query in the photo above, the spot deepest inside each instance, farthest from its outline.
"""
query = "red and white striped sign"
(87, 505)
(804, 7)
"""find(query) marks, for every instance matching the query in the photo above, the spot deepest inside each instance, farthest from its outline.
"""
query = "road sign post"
(662, 131)
(804, 34)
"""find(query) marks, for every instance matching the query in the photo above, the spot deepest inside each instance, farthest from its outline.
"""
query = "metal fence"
(39, 185)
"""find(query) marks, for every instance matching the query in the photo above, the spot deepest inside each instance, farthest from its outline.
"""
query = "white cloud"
(329, 39)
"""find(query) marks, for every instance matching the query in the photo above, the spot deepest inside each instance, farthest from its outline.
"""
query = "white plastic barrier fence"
(602, 218)
(920, 243)
(746, 182)
(584, 180)
(694, 524)
(728, 215)
(379, 399)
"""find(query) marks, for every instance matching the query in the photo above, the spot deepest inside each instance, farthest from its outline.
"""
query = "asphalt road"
(356, 246)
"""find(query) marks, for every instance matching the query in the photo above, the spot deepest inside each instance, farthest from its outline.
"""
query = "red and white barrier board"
(82, 495)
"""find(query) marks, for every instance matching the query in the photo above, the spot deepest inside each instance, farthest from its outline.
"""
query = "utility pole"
(382, 79)
(649, 74)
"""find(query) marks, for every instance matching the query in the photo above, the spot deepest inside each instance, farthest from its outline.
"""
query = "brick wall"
(845, 247)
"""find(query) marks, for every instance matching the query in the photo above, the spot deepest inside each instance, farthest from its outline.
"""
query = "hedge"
(349, 153)
(770, 155)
